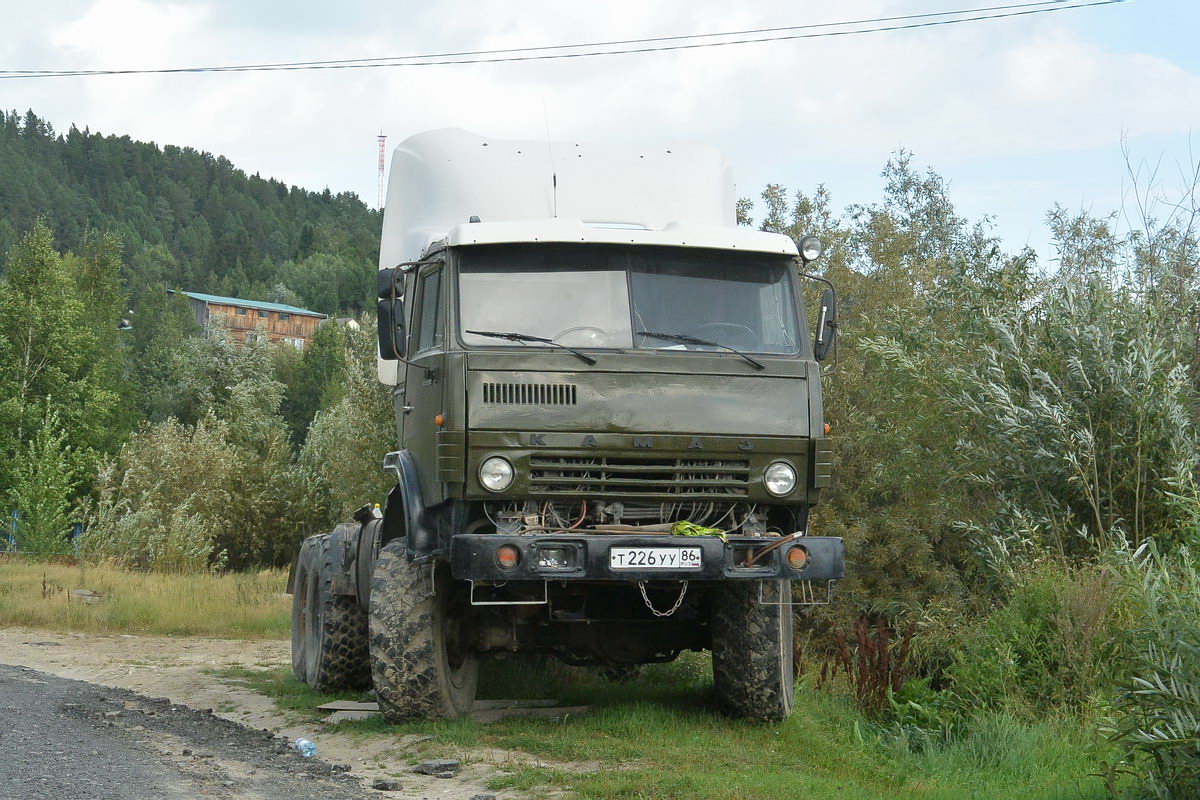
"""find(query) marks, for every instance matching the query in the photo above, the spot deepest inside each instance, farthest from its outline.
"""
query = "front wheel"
(752, 649)
(423, 663)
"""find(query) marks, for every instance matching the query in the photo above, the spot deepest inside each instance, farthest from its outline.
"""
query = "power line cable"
(540, 53)
(653, 39)
(577, 45)
(418, 60)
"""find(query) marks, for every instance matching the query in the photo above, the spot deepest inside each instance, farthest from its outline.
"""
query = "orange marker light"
(797, 557)
(439, 420)
(827, 428)
(508, 556)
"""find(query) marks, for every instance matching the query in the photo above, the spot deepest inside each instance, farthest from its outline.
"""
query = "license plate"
(654, 558)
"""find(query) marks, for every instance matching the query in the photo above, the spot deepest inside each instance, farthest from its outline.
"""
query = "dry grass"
(237, 605)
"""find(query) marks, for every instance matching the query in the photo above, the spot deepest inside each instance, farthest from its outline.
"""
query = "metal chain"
(655, 611)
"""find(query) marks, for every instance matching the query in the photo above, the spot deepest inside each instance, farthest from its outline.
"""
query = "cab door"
(425, 378)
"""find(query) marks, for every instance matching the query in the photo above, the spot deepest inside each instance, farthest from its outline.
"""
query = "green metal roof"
(255, 304)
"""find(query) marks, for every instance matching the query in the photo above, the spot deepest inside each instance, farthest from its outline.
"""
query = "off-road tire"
(332, 627)
(752, 649)
(300, 588)
(421, 662)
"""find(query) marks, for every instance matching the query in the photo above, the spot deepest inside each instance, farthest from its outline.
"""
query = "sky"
(1085, 108)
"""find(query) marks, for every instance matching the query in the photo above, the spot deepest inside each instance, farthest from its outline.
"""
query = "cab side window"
(430, 333)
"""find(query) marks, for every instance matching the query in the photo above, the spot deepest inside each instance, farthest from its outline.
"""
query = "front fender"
(419, 538)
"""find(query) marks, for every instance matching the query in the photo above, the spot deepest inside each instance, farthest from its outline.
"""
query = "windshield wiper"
(683, 338)
(525, 337)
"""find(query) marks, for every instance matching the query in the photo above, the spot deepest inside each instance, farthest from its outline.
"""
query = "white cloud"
(133, 34)
(797, 112)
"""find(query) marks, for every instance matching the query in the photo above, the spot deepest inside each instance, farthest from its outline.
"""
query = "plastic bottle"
(305, 748)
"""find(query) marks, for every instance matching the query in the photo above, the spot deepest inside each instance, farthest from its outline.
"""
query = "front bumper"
(473, 557)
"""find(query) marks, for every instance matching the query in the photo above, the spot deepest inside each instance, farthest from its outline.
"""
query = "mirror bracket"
(827, 321)
(389, 287)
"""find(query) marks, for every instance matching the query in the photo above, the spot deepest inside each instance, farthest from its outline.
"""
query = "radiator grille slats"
(647, 478)
(529, 394)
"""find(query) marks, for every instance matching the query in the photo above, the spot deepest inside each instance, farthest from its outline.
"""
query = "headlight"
(496, 474)
(811, 248)
(780, 478)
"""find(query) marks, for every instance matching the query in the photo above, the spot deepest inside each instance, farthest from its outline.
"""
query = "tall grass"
(248, 605)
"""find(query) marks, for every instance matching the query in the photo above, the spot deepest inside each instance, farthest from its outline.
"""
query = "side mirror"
(826, 325)
(389, 283)
(390, 313)
(391, 329)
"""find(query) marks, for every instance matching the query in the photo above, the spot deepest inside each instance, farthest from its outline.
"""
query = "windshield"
(616, 297)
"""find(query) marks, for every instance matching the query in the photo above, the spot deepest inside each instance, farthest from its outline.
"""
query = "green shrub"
(44, 477)
(160, 503)
(1052, 644)
(1156, 718)
(1082, 420)
(340, 465)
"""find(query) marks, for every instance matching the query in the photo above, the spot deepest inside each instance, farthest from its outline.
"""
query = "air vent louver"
(529, 394)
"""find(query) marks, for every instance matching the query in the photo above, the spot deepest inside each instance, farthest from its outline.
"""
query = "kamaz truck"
(610, 431)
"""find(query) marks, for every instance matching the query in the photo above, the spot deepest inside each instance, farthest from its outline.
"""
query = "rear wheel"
(329, 631)
(422, 661)
(301, 608)
(752, 649)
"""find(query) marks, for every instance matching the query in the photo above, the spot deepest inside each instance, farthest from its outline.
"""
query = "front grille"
(529, 394)
(633, 477)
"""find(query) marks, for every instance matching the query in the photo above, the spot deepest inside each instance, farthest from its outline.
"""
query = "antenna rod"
(553, 170)
(382, 145)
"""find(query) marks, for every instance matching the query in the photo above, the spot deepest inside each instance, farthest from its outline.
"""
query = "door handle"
(406, 409)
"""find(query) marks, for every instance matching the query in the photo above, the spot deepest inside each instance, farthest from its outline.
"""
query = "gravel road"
(184, 673)
(66, 738)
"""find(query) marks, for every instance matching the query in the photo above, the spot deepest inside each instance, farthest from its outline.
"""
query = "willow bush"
(160, 503)
(340, 464)
(1081, 417)
(1156, 715)
(221, 491)
(1003, 434)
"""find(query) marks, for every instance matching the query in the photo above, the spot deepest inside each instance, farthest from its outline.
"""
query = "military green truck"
(610, 427)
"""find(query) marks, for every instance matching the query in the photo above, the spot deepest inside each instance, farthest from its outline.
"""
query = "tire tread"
(407, 666)
(752, 652)
(329, 653)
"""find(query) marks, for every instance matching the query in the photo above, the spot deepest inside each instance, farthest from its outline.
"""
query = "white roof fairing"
(574, 230)
(440, 179)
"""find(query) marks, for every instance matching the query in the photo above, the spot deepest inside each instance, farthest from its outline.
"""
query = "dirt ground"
(175, 668)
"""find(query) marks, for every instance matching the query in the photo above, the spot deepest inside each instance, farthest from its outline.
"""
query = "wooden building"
(247, 320)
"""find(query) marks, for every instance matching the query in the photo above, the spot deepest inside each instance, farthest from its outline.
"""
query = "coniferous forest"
(187, 219)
